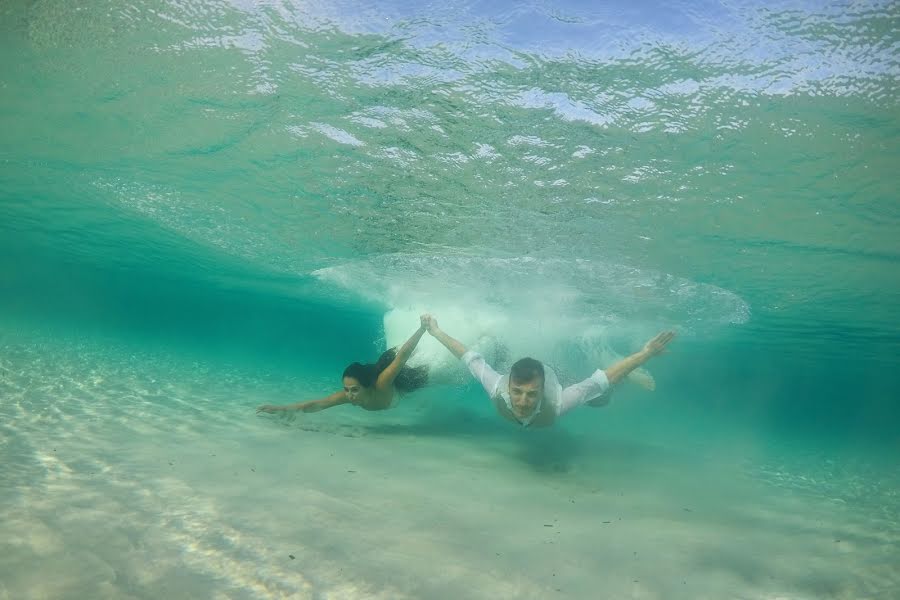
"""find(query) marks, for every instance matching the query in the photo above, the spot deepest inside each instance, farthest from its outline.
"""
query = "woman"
(371, 386)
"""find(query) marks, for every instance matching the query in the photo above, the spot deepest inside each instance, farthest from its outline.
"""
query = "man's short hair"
(526, 369)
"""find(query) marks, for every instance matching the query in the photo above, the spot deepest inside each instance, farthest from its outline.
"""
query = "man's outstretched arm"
(451, 344)
(657, 345)
(482, 371)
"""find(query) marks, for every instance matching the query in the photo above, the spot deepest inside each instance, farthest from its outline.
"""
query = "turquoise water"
(207, 206)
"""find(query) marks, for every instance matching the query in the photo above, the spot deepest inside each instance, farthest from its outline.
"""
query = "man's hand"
(449, 343)
(269, 408)
(430, 323)
(621, 369)
(658, 344)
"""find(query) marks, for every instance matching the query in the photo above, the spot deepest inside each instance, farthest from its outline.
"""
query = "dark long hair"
(407, 380)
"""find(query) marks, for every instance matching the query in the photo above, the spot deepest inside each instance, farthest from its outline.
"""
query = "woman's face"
(353, 389)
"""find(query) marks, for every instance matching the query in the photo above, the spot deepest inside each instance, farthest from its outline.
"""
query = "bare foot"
(643, 379)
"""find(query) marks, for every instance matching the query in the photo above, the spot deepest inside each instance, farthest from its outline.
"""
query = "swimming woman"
(370, 386)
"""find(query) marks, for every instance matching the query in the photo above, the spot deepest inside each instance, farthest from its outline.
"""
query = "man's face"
(525, 395)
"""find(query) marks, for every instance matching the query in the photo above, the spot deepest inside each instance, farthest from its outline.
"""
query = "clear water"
(207, 206)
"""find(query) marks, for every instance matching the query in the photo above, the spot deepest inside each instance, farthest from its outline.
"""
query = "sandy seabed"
(121, 480)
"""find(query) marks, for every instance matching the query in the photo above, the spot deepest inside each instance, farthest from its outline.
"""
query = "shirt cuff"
(600, 377)
(469, 356)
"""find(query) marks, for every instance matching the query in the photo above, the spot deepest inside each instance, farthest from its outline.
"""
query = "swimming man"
(531, 395)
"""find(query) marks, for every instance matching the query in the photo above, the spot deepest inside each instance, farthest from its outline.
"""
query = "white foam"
(545, 293)
(575, 314)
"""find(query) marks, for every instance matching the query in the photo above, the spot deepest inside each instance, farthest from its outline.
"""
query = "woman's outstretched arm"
(386, 378)
(339, 397)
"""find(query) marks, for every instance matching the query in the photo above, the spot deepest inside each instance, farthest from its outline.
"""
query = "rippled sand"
(128, 478)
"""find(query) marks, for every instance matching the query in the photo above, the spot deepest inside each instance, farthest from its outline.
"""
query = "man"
(531, 395)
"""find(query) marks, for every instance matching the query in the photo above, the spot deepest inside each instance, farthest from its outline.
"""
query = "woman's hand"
(269, 408)
(429, 323)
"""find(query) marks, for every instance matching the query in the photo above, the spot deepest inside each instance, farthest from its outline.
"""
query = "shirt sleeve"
(482, 371)
(582, 392)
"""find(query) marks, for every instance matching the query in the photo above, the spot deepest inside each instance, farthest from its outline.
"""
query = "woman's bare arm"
(386, 377)
(339, 397)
